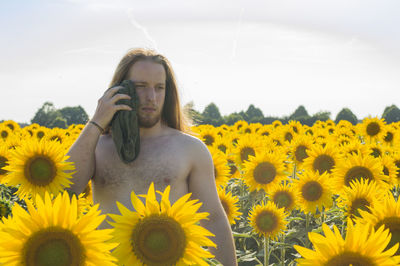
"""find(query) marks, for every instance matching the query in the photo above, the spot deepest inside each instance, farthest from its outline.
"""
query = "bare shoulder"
(191, 143)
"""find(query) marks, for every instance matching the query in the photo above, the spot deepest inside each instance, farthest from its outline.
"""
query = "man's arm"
(202, 186)
(82, 152)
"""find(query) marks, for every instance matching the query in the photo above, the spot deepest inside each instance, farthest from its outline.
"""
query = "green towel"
(125, 125)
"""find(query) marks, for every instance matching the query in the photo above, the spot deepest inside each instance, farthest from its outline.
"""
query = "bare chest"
(163, 162)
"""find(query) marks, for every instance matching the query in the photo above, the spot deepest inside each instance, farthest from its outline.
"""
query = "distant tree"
(391, 114)
(194, 115)
(322, 116)
(211, 111)
(269, 119)
(254, 112)
(58, 122)
(346, 114)
(74, 115)
(211, 115)
(300, 112)
(232, 118)
(46, 115)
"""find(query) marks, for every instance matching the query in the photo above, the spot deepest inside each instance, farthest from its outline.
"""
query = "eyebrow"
(144, 82)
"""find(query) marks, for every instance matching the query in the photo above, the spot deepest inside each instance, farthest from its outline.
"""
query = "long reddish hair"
(172, 114)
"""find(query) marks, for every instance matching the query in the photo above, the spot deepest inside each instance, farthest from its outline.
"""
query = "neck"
(151, 132)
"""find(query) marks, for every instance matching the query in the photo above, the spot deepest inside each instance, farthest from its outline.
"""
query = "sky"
(277, 55)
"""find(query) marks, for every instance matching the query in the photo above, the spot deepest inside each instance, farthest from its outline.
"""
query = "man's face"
(150, 79)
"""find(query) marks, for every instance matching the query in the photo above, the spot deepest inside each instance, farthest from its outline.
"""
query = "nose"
(150, 94)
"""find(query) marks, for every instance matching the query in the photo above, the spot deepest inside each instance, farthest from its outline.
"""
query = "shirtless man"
(168, 156)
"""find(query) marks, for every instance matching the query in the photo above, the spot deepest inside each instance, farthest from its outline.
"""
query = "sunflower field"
(293, 194)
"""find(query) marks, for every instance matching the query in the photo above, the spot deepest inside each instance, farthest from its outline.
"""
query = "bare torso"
(164, 160)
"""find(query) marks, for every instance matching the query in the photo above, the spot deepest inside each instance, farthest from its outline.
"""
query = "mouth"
(148, 109)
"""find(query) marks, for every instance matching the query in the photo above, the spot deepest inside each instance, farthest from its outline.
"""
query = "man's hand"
(106, 107)
(202, 186)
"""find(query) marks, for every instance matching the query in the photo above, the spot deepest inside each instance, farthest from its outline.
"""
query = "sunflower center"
(264, 173)
(359, 204)
(266, 221)
(40, 170)
(232, 167)
(247, 130)
(265, 133)
(283, 199)
(208, 140)
(4, 134)
(357, 173)
(40, 134)
(323, 163)
(373, 129)
(288, 136)
(312, 191)
(385, 170)
(246, 152)
(158, 239)
(53, 246)
(376, 152)
(3, 162)
(215, 172)
(301, 153)
(349, 258)
(393, 224)
(388, 137)
(222, 148)
(56, 138)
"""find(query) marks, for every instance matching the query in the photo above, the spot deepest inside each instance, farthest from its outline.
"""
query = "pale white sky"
(277, 55)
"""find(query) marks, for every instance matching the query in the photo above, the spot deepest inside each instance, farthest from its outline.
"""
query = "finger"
(119, 96)
(111, 91)
(123, 107)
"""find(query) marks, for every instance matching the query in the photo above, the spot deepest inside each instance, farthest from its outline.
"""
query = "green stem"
(307, 229)
(266, 251)
(283, 250)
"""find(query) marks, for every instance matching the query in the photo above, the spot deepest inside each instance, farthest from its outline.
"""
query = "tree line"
(212, 116)
(51, 117)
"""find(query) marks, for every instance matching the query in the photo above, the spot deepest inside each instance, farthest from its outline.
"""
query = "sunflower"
(276, 123)
(233, 170)
(56, 134)
(246, 146)
(313, 191)
(268, 220)
(390, 136)
(361, 195)
(208, 135)
(221, 168)
(239, 125)
(295, 126)
(230, 204)
(301, 145)
(356, 167)
(396, 160)
(40, 132)
(52, 234)
(283, 196)
(376, 149)
(5, 132)
(265, 130)
(223, 144)
(14, 126)
(38, 166)
(373, 128)
(385, 213)
(361, 246)
(5, 156)
(264, 170)
(355, 147)
(13, 142)
(160, 234)
(390, 169)
(321, 159)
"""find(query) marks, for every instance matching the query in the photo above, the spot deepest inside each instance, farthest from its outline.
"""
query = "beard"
(148, 121)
